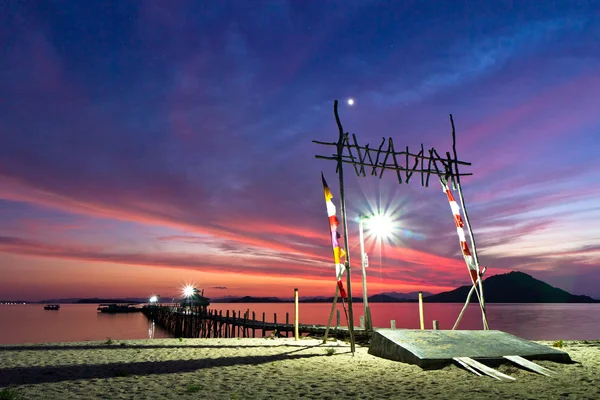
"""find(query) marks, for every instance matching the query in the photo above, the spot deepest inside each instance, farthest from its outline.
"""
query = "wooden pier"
(200, 322)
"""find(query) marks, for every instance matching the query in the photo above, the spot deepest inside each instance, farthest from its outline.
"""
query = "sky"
(149, 145)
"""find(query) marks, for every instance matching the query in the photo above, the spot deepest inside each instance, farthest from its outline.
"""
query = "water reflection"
(151, 330)
(80, 322)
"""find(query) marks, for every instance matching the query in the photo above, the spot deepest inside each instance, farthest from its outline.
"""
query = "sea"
(30, 323)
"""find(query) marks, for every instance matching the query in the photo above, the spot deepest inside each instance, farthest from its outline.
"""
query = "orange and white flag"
(338, 252)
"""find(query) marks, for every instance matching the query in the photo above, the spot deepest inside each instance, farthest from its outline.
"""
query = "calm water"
(30, 323)
(79, 322)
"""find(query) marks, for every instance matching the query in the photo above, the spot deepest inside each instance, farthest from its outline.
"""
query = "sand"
(268, 369)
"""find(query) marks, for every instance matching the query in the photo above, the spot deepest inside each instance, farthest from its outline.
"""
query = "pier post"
(227, 324)
(421, 317)
(233, 326)
(296, 334)
(253, 329)
(220, 323)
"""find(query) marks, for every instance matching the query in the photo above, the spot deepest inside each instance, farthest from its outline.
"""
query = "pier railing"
(201, 322)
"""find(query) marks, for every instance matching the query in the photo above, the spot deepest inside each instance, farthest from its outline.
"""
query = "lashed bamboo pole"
(444, 183)
(344, 221)
(335, 298)
(468, 223)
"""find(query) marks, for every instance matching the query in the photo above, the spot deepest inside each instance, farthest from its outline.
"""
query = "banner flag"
(338, 252)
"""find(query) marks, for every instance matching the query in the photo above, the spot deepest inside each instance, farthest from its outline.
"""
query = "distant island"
(513, 287)
(111, 301)
(388, 297)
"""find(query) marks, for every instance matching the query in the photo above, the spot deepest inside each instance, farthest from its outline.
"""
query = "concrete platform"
(431, 349)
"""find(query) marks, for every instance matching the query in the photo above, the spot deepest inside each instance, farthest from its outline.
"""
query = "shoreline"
(268, 368)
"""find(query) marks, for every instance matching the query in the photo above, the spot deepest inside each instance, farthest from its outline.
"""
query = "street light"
(381, 226)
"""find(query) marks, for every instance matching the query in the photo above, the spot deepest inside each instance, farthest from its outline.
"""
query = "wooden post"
(275, 324)
(436, 325)
(393, 323)
(234, 325)
(421, 317)
(362, 321)
(221, 334)
(287, 323)
(296, 334)
(253, 320)
(263, 326)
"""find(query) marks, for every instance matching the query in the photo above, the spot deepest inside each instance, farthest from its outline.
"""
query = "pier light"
(153, 299)
(188, 291)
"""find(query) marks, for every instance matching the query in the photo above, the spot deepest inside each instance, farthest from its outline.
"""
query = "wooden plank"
(530, 365)
(485, 369)
(466, 366)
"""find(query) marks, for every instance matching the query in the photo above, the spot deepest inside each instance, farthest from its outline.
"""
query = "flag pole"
(340, 147)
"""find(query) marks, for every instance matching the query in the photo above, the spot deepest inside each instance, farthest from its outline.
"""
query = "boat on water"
(55, 307)
(118, 308)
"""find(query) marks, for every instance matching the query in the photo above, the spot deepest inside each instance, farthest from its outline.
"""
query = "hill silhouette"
(98, 301)
(514, 287)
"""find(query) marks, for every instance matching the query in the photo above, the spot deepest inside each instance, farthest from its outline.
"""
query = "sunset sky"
(146, 145)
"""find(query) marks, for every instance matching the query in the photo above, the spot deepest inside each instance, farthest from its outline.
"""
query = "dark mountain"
(329, 300)
(390, 297)
(226, 299)
(98, 301)
(59, 301)
(76, 300)
(250, 299)
(514, 287)
(386, 298)
(403, 296)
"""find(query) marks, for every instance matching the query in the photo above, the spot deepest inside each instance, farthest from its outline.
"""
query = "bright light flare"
(350, 101)
(380, 226)
(188, 291)
(153, 299)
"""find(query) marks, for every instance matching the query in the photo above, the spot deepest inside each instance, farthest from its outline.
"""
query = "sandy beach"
(268, 369)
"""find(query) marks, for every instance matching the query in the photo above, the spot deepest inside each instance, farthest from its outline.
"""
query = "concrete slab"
(431, 349)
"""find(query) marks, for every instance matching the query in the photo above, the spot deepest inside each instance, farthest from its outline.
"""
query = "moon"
(350, 101)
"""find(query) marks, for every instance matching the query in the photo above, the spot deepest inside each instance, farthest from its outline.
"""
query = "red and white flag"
(469, 259)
